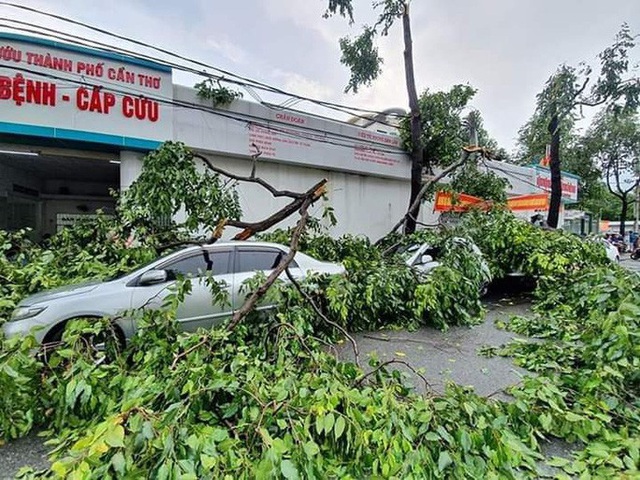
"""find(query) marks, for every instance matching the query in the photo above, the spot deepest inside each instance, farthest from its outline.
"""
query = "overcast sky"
(504, 48)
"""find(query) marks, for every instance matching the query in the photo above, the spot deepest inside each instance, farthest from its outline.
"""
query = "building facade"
(75, 124)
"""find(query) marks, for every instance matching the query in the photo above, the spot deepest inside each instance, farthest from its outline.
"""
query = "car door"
(201, 267)
(250, 260)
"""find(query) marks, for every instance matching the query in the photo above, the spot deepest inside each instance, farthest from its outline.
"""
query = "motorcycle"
(635, 255)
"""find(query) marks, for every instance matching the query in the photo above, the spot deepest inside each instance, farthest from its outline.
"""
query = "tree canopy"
(613, 144)
(442, 132)
(570, 89)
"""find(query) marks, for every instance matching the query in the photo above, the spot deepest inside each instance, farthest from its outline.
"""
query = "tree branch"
(250, 179)
(250, 302)
(251, 228)
(359, 381)
(466, 152)
(356, 352)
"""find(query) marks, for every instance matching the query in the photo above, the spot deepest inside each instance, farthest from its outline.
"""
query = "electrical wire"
(253, 83)
(247, 119)
(513, 175)
(96, 45)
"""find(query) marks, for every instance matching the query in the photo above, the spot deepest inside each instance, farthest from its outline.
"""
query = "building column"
(130, 167)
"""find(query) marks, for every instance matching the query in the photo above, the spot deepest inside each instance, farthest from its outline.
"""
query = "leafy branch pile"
(269, 399)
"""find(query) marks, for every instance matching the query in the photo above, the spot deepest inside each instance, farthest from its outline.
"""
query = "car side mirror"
(152, 277)
(426, 259)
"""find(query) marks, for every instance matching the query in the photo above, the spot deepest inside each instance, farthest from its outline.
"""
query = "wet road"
(633, 265)
(29, 450)
(452, 356)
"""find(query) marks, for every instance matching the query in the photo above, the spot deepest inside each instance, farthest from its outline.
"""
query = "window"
(200, 264)
(263, 259)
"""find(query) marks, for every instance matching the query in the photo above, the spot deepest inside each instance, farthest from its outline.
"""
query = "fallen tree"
(265, 397)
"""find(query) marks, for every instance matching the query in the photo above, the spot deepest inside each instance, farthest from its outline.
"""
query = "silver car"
(230, 264)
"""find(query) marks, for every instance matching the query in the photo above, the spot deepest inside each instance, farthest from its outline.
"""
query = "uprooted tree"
(271, 399)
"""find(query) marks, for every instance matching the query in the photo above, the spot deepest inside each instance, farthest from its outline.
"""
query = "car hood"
(60, 292)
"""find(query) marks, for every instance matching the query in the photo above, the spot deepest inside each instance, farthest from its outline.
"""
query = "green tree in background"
(613, 144)
(569, 89)
(442, 131)
(474, 179)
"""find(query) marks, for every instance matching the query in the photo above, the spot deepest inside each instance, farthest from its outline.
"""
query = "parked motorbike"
(635, 255)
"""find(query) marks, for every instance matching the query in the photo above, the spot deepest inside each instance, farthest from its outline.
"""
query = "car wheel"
(104, 346)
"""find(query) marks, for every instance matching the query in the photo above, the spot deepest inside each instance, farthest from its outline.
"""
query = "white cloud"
(301, 85)
(228, 49)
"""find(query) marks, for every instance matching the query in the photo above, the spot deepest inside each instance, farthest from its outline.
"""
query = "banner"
(90, 94)
(538, 201)
(445, 203)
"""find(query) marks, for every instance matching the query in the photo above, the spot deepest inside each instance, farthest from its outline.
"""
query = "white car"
(612, 251)
(230, 264)
(424, 257)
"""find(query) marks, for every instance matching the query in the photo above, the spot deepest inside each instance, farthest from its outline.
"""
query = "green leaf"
(311, 448)
(465, 441)
(114, 436)
(319, 424)
(432, 436)
(289, 470)
(147, 430)
(329, 421)
(444, 460)
(339, 427)
(118, 463)
(572, 417)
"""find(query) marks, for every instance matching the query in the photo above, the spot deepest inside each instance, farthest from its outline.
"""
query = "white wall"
(362, 205)
(293, 138)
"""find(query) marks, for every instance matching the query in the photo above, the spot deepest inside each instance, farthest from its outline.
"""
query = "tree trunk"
(414, 107)
(554, 167)
(623, 213)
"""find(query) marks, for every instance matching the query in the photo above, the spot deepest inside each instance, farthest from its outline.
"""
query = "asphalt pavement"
(27, 451)
(633, 265)
(451, 356)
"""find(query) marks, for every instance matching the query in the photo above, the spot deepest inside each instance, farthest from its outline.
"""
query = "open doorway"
(46, 189)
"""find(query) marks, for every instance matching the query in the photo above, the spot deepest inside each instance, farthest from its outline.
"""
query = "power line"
(512, 175)
(254, 83)
(96, 45)
(247, 119)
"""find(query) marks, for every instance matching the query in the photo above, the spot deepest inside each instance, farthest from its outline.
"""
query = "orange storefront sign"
(539, 201)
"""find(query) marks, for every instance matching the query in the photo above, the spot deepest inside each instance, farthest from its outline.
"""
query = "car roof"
(235, 243)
